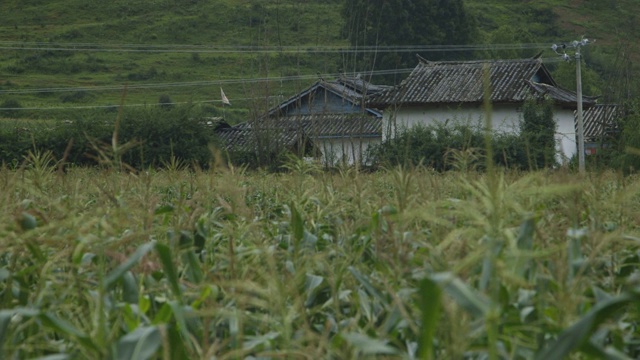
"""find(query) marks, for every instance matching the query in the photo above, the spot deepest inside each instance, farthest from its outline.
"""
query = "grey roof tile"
(600, 120)
(352, 89)
(289, 130)
(511, 81)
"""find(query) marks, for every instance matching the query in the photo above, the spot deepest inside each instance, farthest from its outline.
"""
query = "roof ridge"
(482, 61)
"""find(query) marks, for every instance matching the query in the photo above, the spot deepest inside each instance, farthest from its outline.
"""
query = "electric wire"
(193, 83)
(180, 48)
(215, 82)
(78, 107)
(199, 83)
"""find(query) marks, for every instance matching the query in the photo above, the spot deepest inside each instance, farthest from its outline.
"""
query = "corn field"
(404, 263)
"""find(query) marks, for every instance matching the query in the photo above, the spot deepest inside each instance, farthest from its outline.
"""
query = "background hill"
(59, 58)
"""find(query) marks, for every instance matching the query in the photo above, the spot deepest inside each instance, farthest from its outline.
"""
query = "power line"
(124, 105)
(211, 82)
(196, 83)
(178, 48)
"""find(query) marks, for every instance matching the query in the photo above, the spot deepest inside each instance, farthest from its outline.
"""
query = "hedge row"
(447, 147)
(147, 137)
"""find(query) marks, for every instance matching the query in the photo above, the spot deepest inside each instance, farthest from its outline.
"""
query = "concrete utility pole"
(576, 44)
(581, 166)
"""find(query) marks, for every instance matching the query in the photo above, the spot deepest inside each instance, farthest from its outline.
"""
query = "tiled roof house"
(329, 116)
(455, 90)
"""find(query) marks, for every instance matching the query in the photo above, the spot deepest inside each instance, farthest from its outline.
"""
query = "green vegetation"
(403, 263)
(138, 137)
(538, 132)
(455, 146)
(172, 261)
(370, 23)
(621, 150)
(176, 46)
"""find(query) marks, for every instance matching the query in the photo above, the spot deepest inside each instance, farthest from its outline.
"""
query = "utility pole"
(581, 166)
(580, 136)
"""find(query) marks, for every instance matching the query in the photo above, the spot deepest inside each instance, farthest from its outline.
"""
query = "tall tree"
(403, 24)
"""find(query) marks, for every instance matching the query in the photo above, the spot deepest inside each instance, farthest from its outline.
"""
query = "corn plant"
(401, 263)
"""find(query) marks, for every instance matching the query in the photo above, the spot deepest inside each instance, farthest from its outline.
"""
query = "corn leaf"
(366, 345)
(297, 225)
(66, 328)
(54, 357)
(364, 281)
(140, 344)
(472, 301)
(429, 302)
(114, 275)
(164, 253)
(5, 319)
(130, 291)
(576, 336)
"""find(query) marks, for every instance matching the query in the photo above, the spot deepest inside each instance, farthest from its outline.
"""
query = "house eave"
(568, 105)
(353, 136)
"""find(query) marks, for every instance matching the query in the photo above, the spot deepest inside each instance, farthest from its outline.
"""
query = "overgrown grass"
(402, 263)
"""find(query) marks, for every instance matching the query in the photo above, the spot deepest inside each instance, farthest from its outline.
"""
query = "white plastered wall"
(348, 150)
(505, 118)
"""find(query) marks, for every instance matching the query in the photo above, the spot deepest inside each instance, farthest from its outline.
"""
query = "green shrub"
(163, 134)
(165, 102)
(621, 150)
(538, 130)
(446, 147)
(154, 136)
(81, 96)
(14, 142)
(8, 108)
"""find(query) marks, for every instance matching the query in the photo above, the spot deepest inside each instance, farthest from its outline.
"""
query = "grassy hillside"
(141, 43)
(77, 54)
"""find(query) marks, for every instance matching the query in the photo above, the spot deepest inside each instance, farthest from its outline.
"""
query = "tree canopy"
(402, 23)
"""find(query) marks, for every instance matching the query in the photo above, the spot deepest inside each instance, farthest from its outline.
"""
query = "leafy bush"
(445, 147)
(165, 102)
(621, 150)
(163, 134)
(14, 142)
(81, 96)
(151, 136)
(7, 108)
(538, 130)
